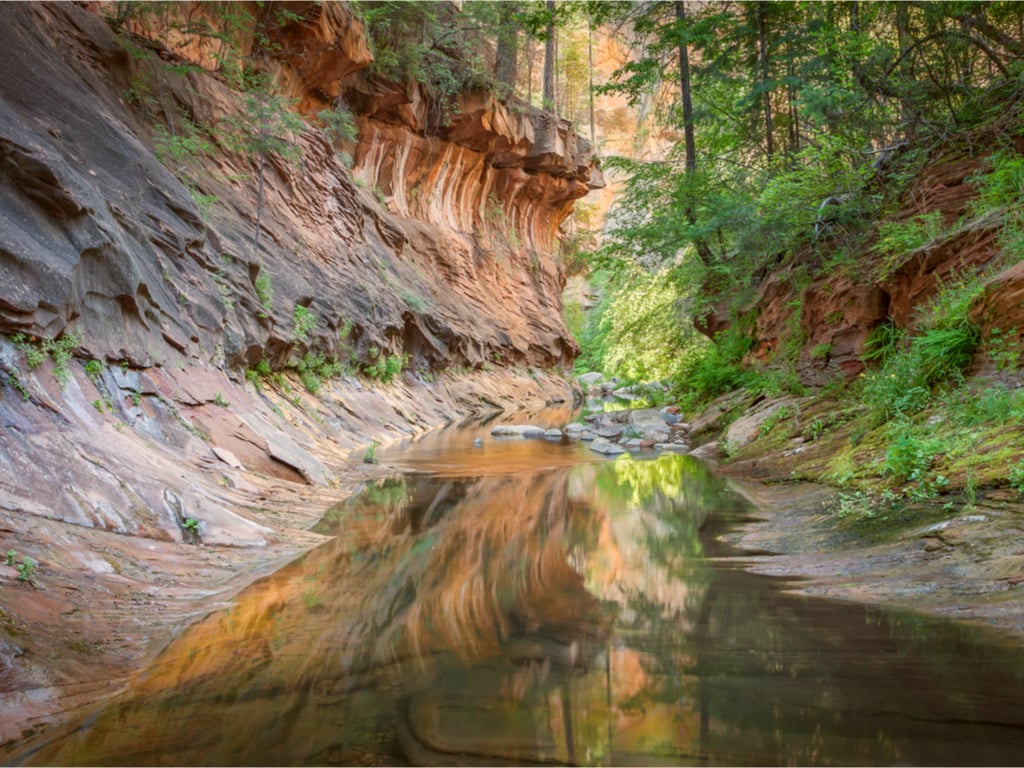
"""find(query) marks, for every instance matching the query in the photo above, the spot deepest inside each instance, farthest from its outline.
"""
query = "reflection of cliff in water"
(565, 615)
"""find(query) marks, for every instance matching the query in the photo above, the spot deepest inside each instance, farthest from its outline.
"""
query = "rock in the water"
(478, 442)
(676, 447)
(592, 378)
(575, 427)
(607, 447)
(649, 423)
(588, 435)
(553, 434)
(517, 430)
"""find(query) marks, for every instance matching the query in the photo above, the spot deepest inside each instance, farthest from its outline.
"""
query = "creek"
(528, 602)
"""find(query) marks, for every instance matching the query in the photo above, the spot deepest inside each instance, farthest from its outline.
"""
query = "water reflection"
(562, 615)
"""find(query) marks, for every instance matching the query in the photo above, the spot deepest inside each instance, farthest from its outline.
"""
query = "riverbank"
(963, 564)
(102, 510)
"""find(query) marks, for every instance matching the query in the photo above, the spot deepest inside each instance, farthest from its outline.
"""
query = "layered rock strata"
(152, 343)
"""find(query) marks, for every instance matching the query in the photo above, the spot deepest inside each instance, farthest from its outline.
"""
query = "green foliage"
(26, 568)
(264, 289)
(883, 342)
(821, 351)
(424, 43)
(778, 415)
(36, 351)
(1016, 479)
(265, 125)
(1004, 349)
(1001, 191)
(717, 368)
(385, 367)
(312, 600)
(315, 367)
(370, 454)
(303, 322)
(940, 352)
(908, 457)
(94, 370)
(177, 151)
(338, 124)
(1002, 185)
(896, 239)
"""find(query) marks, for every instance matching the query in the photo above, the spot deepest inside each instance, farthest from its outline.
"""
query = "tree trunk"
(762, 48)
(590, 85)
(703, 251)
(684, 88)
(548, 95)
(507, 54)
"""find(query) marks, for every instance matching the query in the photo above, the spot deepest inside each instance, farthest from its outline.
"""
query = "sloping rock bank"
(966, 565)
(102, 478)
(954, 556)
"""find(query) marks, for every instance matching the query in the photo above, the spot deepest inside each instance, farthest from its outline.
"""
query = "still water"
(526, 602)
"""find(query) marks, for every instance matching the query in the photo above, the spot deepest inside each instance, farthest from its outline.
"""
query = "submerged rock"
(517, 430)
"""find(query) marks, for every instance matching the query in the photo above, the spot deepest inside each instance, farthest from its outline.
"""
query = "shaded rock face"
(444, 253)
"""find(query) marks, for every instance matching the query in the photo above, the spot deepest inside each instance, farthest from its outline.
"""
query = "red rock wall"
(839, 311)
(438, 244)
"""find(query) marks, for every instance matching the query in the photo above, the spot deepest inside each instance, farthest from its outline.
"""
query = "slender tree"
(549, 57)
(507, 49)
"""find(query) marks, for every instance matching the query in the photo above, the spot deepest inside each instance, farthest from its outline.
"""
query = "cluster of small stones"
(614, 432)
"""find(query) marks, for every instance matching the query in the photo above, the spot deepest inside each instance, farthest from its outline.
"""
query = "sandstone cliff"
(151, 354)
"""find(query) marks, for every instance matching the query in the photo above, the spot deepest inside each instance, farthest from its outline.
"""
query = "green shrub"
(303, 322)
(883, 342)
(1016, 478)
(264, 289)
(898, 238)
(385, 367)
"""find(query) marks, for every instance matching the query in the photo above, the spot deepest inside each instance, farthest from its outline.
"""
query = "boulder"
(747, 428)
(607, 447)
(649, 423)
(590, 379)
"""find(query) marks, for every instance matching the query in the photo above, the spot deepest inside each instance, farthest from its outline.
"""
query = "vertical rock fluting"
(446, 253)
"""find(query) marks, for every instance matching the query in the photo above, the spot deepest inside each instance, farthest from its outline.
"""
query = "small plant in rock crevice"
(303, 322)
(26, 568)
(59, 350)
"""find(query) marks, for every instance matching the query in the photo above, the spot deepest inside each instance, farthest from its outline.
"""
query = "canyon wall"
(184, 344)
